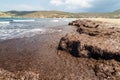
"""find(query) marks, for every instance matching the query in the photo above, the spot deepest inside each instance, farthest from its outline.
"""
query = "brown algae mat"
(94, 40)
(85, 50)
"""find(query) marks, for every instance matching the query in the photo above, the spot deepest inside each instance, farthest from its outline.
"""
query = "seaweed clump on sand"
(94, 40)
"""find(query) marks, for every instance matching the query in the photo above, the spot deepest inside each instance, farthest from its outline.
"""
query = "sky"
(62, 5)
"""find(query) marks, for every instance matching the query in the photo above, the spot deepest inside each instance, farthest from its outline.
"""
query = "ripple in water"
(22, 27)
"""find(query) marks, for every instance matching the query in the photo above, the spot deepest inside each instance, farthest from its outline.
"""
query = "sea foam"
(4, 22)
(29, 20)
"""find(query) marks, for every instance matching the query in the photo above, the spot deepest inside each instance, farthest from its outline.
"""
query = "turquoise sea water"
(27, 27)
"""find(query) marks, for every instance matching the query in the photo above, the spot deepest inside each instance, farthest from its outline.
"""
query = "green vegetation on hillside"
(20, 13)
(50, 14)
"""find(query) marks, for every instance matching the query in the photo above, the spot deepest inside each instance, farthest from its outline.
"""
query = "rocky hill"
(20, 13)
(50, 14)
(61, 14)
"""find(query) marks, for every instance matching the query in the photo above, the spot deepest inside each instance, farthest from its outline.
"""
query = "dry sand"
(113, 21)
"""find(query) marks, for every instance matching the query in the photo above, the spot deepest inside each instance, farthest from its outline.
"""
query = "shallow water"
(28, 27)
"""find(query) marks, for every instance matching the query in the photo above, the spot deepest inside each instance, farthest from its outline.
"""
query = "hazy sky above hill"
(64, 5)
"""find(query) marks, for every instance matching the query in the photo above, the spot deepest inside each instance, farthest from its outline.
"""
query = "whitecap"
(55, 20)
(29, 20)
(19, 33)
(4, 22)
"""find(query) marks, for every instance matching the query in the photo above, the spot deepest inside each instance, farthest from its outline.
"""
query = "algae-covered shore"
(85, 50)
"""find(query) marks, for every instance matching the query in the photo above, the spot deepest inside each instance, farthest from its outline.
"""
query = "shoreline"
(37, 58)
(25, 57)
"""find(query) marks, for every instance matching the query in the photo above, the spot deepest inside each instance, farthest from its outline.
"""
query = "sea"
(27, 27)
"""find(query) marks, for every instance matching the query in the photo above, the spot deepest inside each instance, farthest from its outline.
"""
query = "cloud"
(57, 2)
(79, 3)
(104, 6)
(72, 4)
(86, 5)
